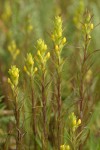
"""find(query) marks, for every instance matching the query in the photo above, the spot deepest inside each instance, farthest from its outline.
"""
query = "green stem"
(33, 113)
(44, 113)
(59, 106)
(82, 86)
(17, 117)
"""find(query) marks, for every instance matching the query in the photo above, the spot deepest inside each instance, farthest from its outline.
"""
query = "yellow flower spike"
(12, 48)
(73, 122)
(14, 76)
(13, 45)
(29, 65)
(57, 28)
(43, 55)
(87, 26)
(41, 46)
(79, 121)
(30, 60)
(57, 36)
(7, 11)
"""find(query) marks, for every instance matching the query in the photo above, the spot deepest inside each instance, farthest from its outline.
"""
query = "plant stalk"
(82, 86)
(58, 106)
(44, 113)
(33, 113)
(17, 117)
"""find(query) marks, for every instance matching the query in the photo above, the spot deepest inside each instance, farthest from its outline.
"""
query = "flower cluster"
(7, 11)
(14, 77)
(29, 26)
(64, 147)
(29, 65)
(42, 54)
(88, 25)
(78, 17)
(12, 48)
(57, 35)
(73, 122)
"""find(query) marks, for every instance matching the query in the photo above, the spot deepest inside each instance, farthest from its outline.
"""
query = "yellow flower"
(79, 121)
(91, 26)
(14, 76)
(42, 54)
(64, 40)
(30, 28)
(64, 147)
(57, 36)
(73, 122)
(12, 48)
(29, 65)
(56, 47)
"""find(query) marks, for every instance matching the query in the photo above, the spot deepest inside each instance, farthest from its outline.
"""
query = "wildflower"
(12, 48)
(7, 11)
(57, 35)
(88, 25)
(78, 14)
(14, 77)
(73, 122)
(42, 54)
(64, 147)
(79, 121)
(29, 65)
(29, 28)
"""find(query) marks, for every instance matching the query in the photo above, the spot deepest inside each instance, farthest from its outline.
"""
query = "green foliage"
(53, 101)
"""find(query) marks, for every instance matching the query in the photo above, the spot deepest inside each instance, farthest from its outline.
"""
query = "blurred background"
(22, 22)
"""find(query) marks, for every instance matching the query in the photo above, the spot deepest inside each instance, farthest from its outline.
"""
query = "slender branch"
(59, 106)
(17, 117)
(33, 113)
(44, 113)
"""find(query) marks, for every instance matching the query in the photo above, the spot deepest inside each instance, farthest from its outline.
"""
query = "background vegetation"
(22, 23)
